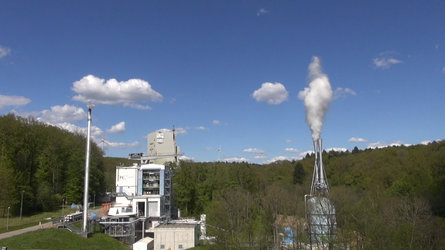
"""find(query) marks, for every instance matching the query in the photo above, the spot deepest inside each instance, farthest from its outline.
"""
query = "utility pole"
(87, 170)
(21, 203)
(7, 220)
(63, 211)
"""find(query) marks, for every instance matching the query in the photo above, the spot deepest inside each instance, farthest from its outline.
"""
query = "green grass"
(27, 221)
(61, 239)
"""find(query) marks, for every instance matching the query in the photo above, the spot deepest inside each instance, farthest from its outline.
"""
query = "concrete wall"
(175, 236)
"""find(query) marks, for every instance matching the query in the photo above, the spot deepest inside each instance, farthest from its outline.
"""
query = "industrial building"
(144, 206)
(175, 236)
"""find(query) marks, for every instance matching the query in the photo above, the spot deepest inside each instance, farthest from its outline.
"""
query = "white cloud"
(183, 131)
(137, 106)
(262, 11)
(235, 159)
(216, 122)
(180, 131)
(426, 142)
(108, 144)
(6, 100)
(380, 144)
(4, 51)
(117, 128)
(272, 93)
(94, 90)
(59, 114)
(336, 149)
(357, 139)
(254, 150)
(288, 141)
(291, 150)
(385, 61)
(342, 92)
(186, 158)
(303, 154)
(443, 69)
(283, 158)
(96, 132)
(259, 157)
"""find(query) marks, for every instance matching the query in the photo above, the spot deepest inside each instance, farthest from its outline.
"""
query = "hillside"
(392, 197)
(45, 162)
(61, 239)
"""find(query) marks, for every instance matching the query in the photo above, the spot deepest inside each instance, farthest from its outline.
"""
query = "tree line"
(389, 198)
(46, 163)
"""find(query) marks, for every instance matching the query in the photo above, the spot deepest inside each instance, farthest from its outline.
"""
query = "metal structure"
(87, 174)
(319, 181)
(320, 212)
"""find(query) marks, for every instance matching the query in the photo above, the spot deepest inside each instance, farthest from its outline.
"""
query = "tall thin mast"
(87, 171)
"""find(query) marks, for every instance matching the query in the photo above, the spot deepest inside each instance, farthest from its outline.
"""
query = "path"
(25, 230)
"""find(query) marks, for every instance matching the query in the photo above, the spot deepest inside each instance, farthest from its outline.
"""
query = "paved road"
(25, 230)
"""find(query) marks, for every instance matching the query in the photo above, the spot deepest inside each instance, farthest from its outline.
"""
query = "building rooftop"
(175, 225)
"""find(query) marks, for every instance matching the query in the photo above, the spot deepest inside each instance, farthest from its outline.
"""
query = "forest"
(388, 198)
(46, 163)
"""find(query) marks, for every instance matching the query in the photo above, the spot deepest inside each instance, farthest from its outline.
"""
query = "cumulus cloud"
(121, 145)
(216, 122)
(96, 132)
(260, 157)
(14, 101)
(262, 11)
(254, 150)
(272, 93)
(380, 144)
(291, 150)
(235, 159)
(385, 61)
(4, 51)
(343, 92)
(59, 114)
(117, 128)
(283, 158)
(336, 149)
(426, 142)
(357, 139)
(186, 158)
(94, 90)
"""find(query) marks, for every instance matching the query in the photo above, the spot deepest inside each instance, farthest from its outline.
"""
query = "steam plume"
(316, 97)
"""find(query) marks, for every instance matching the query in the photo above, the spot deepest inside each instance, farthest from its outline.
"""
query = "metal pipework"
(319, 180)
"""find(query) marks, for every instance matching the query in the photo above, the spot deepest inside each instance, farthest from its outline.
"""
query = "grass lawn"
(61, 239)
(15, 223)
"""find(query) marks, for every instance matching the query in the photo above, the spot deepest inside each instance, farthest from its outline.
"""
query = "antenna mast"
(87, 170)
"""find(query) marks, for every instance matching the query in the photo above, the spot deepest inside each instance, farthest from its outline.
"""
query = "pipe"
(87, 171)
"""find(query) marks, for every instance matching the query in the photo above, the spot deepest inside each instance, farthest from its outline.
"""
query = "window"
(180, 246)
(162, 246)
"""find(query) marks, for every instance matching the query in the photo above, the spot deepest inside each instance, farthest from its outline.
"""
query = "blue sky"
(227, 74)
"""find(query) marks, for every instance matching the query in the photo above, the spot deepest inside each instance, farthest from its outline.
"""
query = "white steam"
(316, 97)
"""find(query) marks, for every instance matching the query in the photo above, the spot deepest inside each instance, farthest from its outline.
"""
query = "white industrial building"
(144, 199)
(146, 189)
